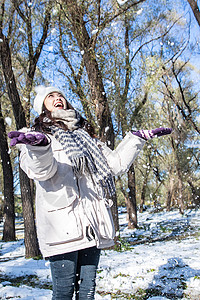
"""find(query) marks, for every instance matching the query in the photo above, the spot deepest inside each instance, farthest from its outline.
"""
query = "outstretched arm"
(120, 159)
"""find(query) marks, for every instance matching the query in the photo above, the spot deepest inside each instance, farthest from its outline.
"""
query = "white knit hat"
(42, 92)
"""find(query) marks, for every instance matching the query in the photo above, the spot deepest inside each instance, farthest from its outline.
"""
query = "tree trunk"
(30, 237)
(131, 203)
(180, 191)
(11, 83)
(98, 95)
(103, 115)
(8, 191)
(114, 210)
(27, 198)
(142, 201)
(179, 175)
(170, 193)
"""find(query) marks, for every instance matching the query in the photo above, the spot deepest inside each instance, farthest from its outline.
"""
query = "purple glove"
(33, 138)
(161, 131)
(149, 134)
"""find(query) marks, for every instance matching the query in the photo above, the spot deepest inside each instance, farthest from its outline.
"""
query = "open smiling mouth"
(59, 104)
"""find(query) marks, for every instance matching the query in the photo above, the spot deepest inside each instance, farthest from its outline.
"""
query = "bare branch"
(99, 12)
(16, 5)
(1, 15)
(155, 39)
(34, 58)
(187, 117)
(195, 9)
(180, 89)
(10, 27)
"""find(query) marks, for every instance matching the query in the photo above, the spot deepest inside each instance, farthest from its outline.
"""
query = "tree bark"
(27, 198)
(195, 9)
(30, 236)
(170, 193)
(8, 190)
(180, 191)
(11, 83)
(131, 204)
(144, 186)
(114, 210)
(179, 178)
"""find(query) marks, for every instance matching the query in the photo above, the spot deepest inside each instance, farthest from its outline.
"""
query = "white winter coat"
(66, 207)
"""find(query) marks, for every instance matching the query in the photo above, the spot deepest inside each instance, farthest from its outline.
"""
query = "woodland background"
(124, 65)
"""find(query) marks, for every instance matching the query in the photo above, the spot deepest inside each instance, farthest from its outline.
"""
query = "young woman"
(73, 172)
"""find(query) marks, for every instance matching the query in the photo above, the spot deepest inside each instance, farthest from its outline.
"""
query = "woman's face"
(54, 101)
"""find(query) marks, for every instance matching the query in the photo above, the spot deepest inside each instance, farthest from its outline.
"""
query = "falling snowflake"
(121, 2)
(139, 11)
(53, 31)
(94, 31)
(107, 128)
(22, 30)
(8, 121)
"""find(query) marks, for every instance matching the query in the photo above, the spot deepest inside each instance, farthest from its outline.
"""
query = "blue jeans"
(74, 271)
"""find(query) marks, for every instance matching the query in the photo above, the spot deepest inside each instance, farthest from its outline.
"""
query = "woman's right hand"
(33, 138)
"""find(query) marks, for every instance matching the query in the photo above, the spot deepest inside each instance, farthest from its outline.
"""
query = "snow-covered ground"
(160, 260)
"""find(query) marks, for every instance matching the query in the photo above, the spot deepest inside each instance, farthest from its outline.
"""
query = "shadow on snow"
(170, 281)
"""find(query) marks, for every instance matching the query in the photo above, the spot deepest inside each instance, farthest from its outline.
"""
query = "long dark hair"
(45, 120)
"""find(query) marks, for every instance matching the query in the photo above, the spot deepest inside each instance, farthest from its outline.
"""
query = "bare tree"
(31, 243)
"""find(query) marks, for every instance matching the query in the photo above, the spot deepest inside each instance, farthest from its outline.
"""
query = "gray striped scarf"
(86, 158)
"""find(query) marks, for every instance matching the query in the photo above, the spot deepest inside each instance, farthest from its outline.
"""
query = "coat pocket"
(106, 224)
(63, 225)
